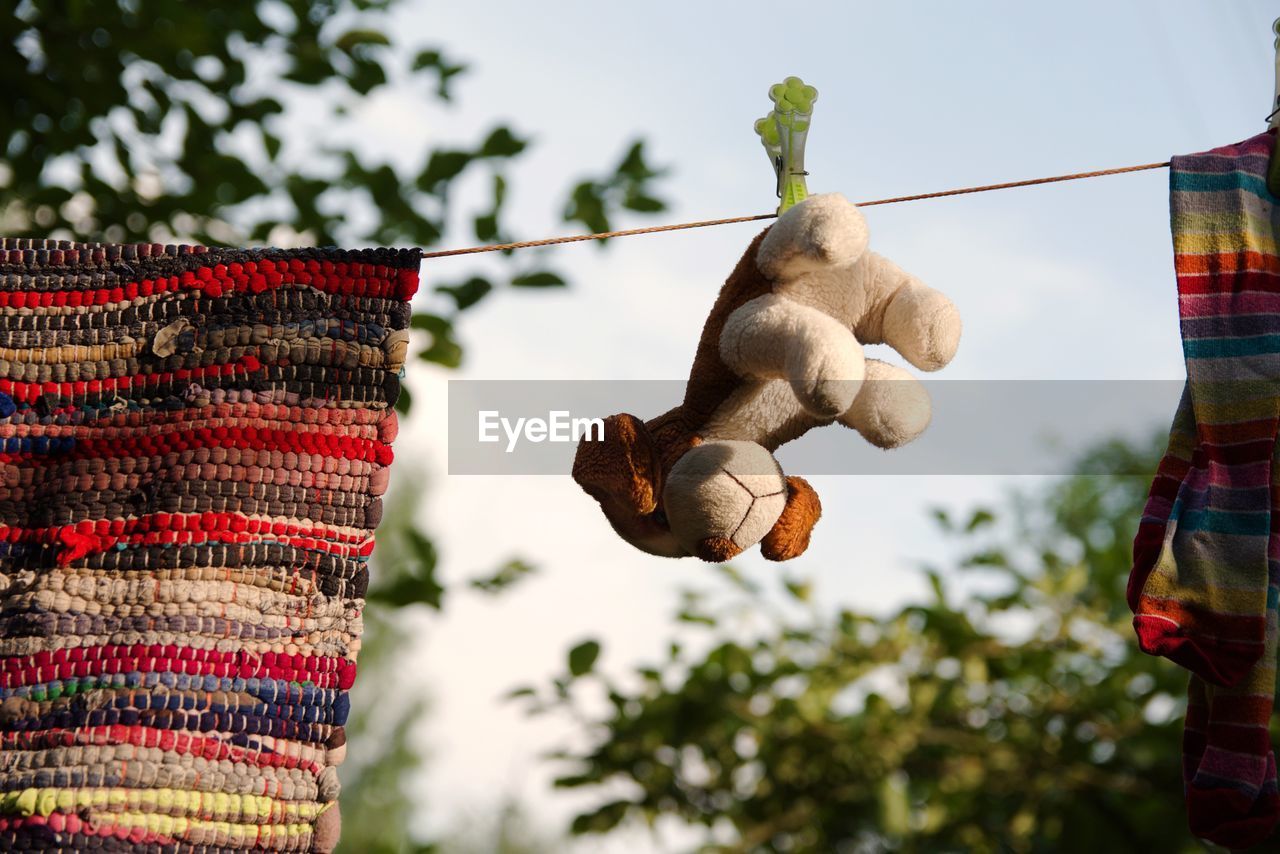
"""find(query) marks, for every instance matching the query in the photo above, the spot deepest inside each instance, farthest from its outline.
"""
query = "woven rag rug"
(193, 442)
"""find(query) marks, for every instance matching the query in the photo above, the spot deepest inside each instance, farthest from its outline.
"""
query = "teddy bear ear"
(621, 467)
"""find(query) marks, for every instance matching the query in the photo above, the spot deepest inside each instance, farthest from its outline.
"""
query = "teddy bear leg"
(891, 408)
(773, 337)
(789, 536)
(917, 321)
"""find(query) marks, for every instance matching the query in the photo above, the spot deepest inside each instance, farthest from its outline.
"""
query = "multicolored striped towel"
(1207, 553)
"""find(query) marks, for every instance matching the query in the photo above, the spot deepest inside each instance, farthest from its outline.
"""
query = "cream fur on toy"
(780, 354)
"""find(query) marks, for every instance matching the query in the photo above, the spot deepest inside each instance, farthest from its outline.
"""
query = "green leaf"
(980, 518)
(800, 590)
(600, 820)
(366, 75)
(414, 583)
(486, 228)
(501, 142)
(935, 584)
(573, 781)
(443, 350)
(426, 59)
(633, 166)
(540, 279)
(423, 549)
(433, 60)
(311, 67)
(442, 167)
(637, 201)
(257, 110)
(405, 401)
(583, 657)
(506, 576)
(468, 293)
(352, 39)
(486, 225)
(271, 143)
(587, 205)
(990, 557)
(429, 323)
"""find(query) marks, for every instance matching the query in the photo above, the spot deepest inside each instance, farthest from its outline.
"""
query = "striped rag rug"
(193, 443)
(1207, 553)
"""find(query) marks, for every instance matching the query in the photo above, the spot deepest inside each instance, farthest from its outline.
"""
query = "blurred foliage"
(628, 187)
(384, 749)
(389, 708)
(1012, 711)
(507, 830)
(167, 121)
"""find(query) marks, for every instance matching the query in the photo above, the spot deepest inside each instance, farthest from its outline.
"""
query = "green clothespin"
(1273, 171)
(783, 133)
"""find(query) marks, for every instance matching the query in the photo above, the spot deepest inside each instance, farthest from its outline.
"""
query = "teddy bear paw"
(826, 398)
(924, 326)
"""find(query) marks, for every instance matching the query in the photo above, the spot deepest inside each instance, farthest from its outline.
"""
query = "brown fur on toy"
(780, 354)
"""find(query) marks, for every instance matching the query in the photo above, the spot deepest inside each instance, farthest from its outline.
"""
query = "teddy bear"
(780, 354)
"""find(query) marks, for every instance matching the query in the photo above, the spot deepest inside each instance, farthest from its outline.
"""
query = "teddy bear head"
(716, 500)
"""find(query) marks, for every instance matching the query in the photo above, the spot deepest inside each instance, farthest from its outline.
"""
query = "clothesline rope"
(653, 229)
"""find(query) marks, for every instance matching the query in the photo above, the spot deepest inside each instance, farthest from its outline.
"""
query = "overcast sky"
(1068, 281)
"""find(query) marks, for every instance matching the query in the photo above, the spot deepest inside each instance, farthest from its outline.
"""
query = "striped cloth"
(1207, 553)
(193, 446)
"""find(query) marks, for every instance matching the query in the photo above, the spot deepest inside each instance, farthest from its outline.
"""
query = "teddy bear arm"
(919, 322)
(773, 337)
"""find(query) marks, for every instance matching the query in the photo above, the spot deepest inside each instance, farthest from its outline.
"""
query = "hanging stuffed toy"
(780, 354)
